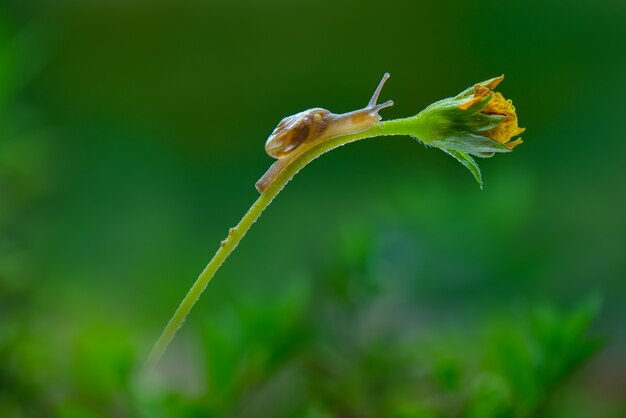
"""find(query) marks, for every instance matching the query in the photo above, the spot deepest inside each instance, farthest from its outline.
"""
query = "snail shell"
(297, 129)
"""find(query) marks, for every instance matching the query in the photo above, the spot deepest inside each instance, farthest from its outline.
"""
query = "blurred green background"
(382, 282)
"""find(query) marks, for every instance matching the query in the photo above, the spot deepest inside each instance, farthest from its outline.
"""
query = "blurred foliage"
(382, 282)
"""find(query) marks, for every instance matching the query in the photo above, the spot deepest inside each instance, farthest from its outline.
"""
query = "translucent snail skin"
(297, 133)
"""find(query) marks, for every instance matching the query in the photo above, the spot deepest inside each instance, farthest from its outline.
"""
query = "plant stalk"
(407, 126)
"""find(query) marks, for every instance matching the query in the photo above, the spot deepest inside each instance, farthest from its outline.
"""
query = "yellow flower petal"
(503, 133)
(497, 105)
(482, 90)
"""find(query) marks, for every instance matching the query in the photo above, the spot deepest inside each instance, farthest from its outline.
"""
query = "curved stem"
(408, 126)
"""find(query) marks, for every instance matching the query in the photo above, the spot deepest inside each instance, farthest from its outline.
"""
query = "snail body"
(315, 125)
(297, 133)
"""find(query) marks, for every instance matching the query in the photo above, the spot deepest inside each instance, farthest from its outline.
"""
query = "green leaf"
(468, 162)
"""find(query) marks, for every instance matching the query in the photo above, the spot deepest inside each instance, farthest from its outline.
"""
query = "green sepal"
(470, 90)
(468, 162)
(485, 122)
(470, 143)
(475, 107)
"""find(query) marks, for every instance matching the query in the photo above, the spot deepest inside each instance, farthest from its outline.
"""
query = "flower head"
(496, 105)
(479, 121)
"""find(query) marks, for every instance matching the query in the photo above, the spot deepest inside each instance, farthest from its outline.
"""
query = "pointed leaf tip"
(468, 162)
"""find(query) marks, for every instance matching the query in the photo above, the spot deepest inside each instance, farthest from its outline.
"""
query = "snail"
(297, 133)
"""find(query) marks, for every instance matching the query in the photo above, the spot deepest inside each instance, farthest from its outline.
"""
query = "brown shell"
(295, 130)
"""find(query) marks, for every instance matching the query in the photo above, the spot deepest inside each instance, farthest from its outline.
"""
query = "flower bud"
(478, 121)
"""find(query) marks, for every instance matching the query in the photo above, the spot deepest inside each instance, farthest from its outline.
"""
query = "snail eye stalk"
(376, 94)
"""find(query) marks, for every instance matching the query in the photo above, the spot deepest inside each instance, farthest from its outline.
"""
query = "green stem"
(408, 126)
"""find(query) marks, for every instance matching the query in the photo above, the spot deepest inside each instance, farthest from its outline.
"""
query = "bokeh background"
(382, 282)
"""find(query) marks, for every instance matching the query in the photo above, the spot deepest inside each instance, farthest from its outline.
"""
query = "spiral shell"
(297, 129)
